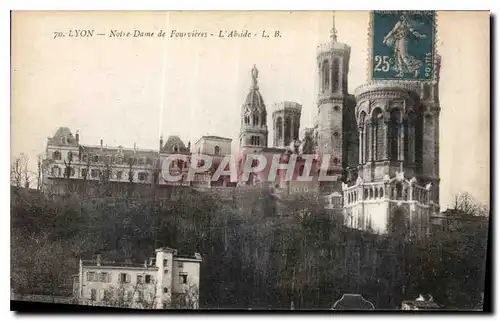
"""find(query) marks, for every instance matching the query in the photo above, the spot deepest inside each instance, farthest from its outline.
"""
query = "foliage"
(258, 251)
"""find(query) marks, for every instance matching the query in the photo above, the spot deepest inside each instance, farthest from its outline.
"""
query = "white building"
(166, 281)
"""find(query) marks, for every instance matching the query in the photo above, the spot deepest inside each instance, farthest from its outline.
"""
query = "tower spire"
(334, 30)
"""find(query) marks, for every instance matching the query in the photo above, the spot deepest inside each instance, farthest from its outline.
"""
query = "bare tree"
(465, 203)
(188, 299)
(142, 296)
(19, 173)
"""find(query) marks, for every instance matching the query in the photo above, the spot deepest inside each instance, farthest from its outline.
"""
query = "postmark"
(402, 45)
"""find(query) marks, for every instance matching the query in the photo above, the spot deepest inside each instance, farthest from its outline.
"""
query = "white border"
(189, 5)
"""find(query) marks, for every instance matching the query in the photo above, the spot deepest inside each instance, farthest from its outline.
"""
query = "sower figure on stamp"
(397, 38)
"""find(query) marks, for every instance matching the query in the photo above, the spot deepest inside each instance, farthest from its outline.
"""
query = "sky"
(132, 90)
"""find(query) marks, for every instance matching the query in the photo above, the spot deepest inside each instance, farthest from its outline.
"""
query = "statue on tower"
(255, 75)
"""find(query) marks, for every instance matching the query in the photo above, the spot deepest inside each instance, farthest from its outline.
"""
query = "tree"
(19, 173)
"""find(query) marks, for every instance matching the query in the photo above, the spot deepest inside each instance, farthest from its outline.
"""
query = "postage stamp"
(403, 45)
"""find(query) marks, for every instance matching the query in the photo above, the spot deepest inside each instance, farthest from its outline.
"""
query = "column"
(386, 144)
(401, 141)
(361, 144)
(370, 141)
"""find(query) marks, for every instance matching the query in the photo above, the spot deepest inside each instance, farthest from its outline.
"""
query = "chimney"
(101, 143)
(98, 259)
(161, 142)
(77, 136)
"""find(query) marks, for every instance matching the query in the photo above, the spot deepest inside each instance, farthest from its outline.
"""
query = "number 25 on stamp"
(403, 45)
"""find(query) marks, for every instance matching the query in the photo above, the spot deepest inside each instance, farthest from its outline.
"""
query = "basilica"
(383, 142)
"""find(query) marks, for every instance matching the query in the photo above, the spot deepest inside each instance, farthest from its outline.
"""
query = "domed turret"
(254, 117)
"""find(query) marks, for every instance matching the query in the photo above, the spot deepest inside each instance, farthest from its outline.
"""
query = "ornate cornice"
(330, 99)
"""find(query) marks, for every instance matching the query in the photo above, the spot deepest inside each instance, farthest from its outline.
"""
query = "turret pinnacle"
(333, 30)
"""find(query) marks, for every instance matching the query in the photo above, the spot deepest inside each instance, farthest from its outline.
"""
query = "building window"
(175, 149)
(84, 172)
(279, 127)
(56, 171)
(142, 176)
(94, 173)
(216, 150)
(56, 155)
(124, 278)
(93, 294)
(119, 160)
(107, 295)
(183, 277)
(91, 277)
(139, 279)
(180, 265)
(105, 277)
(326, 75)
(70, 156)
(165, 262)
(256, 120)
(95, 158)
(84, 157)
(255, 140)
(149, 161)
(335, 74)
(148, 279)
(247, 120)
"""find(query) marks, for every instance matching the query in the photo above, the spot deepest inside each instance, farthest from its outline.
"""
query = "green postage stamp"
(403, 45)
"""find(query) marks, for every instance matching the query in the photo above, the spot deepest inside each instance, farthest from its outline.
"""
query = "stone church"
(383, 140)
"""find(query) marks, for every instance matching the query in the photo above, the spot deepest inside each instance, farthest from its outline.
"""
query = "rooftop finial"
(255, 75)
(334, 30)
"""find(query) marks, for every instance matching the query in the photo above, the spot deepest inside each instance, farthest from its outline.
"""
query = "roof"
(353, 302)
(286, 105)
(63, 132)
(254, 100)
(214, 137)
(174, 141)
(118, 150)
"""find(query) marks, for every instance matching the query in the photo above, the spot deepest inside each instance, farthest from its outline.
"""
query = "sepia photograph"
(250, 160)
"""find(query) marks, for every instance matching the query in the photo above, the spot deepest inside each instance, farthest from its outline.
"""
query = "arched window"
(394, 134)
(287, 130)
(326, 75)
(376, 193)
(56, 155)
(279, 127)
(335, 74)
(247, 120)
(378, 134)
(216, 150)
(175, 149)
(296, 130)
(371, 192)
(263, 118)
(255, 120)
(381, 192)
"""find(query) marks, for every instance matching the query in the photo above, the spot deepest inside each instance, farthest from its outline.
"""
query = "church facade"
(382, 142)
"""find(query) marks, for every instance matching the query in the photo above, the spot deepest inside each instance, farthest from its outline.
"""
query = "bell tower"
(333, 68)
(254, 133)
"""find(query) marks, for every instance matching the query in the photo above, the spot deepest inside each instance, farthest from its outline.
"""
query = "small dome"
(254, 100)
